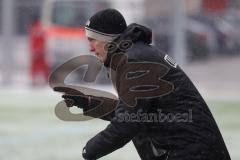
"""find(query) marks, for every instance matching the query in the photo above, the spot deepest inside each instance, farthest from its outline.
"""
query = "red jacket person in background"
(39, 67)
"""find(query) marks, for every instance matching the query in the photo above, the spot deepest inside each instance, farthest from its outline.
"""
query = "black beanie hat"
(105, 25)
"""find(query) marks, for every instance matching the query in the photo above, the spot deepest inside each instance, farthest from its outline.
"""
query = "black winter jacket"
(159, 108)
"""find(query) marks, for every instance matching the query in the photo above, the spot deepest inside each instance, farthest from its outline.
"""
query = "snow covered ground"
(30, 130)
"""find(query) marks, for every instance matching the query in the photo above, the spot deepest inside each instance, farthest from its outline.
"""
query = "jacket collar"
(134, 33)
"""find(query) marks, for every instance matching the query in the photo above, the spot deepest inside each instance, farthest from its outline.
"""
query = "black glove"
(76, 100)
(81, 101)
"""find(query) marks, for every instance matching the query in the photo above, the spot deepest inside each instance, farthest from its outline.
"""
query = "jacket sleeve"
(116, 135)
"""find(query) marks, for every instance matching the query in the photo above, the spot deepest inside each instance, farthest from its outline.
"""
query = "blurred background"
(36, 36)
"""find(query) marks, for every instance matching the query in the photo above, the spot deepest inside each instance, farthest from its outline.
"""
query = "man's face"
(98, 47)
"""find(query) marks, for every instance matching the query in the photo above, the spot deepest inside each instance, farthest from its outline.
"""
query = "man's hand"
(80, 101)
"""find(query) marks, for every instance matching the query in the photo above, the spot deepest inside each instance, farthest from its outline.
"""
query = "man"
(159, 108)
